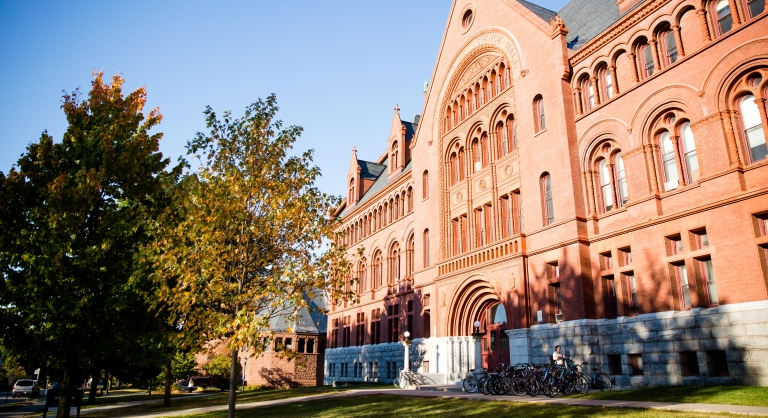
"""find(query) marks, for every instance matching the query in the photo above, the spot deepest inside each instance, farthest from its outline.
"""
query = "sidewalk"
(671, 406)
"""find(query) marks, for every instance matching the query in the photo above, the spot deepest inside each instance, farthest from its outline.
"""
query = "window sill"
(680, 189)
(540, 132)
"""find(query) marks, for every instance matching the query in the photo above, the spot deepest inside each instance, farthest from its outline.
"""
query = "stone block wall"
(387, 358)
(739, 330)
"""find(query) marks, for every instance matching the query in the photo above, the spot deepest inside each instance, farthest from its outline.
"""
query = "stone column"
(703, 23)
(676, 144)
(407, 357)
(730, 136)
(655, 52)
(612, 69)
(614, 187)
(577, 100)
(652, 179)
(678, 40)
(734, 13)
(632, 60)
(593, 80)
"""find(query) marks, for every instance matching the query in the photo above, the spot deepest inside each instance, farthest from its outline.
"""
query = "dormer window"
(394, 162)
(351, 196)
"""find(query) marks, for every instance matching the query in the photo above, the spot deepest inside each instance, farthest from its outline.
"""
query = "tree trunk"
(168, 380)
(94, 386)
(232, 385)
(65, 399)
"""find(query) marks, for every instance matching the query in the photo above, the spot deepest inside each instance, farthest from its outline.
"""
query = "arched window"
(477, 154)
(394, 264)
(754, 132)
(486, 149)
(755, 7)
(538, 114)
(362, 284)
(621, 179)
(425, 185)
(645, 54)
(351, 196)
(723, 16)
(668, 46)
(409, 258)
(606, 186)
(502, 140)
(588, 94)
(376, 279)
(546, 198)
(606, 81)
(454, 162)
(394, 162)
(690, 159)
(426, 248)
(511, 127)
(669, 165)
(462, 169)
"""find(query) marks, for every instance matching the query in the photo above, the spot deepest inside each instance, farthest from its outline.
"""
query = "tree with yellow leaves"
(251, 238)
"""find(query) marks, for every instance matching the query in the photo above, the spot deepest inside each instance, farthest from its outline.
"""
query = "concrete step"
(441, 388)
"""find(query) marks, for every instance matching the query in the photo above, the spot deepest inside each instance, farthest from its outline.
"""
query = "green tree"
(248, 245)
(73, 216)
(183, 366)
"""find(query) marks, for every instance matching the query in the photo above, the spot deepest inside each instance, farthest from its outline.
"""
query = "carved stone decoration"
(443, 300)
(558, 26)
(508, 170)
(459, 197)
(476, 68)
(482, 185)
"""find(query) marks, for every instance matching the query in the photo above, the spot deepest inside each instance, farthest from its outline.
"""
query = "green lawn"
(406, 406)
(183, 402)
(730, 395)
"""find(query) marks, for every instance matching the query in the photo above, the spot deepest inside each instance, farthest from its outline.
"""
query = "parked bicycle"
(471, 380)
(407, 378)
(597, 380)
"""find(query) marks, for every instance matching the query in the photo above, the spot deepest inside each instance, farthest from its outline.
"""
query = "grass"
(182, 402)
(406, 406)
(729, 395)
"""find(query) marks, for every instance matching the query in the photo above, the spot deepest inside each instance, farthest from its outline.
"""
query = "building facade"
(594, 178)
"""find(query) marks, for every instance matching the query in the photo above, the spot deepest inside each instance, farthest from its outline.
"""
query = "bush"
(219, 366)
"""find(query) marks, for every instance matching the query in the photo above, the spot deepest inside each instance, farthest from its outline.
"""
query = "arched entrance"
(476, 300)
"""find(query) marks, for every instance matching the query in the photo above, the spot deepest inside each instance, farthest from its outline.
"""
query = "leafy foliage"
(183, 366)
(219, 365)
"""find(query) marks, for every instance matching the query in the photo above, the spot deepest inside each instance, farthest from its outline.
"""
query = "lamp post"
(477, 335)
(245, 363)
(407, 345)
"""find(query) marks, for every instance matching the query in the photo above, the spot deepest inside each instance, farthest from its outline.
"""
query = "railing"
(487, 253)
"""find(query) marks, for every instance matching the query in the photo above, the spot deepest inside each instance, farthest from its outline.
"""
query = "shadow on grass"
(728, 395)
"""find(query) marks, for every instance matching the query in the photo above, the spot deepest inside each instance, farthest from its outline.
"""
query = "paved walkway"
(671, 406)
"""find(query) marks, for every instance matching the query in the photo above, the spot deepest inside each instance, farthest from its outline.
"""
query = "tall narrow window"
(621, 180)
(538, 111)
(477, 153)
(608, 83)
(462, 170)
(486, 149)
(668, 162)
(605, 185)
(479, 228)
(488, 221)
(708, 274)
(351, 196)
(634, 305)
(670, 48)
(612, 302)
(755, 7)
(646, 57)
(454, 162)
(425, 185)
(506, 217)
(685, 291)
(753, 129)
(410, 258)
(426, 248)
(512, 133)
(724, 19)
(502, 139)
(689, 149)
(549, 208)
(517, 202)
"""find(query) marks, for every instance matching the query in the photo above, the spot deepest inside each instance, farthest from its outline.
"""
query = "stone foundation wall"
(388, 358)
(738, 330)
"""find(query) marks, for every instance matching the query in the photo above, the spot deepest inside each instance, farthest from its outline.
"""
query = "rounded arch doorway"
(495, 342)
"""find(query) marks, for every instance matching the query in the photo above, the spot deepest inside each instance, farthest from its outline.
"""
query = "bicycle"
(407, 378)
(597, 380)
(470, 382)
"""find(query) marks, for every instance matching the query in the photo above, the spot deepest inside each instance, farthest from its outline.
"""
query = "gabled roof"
(370, 170)
(381, 182)
(410, 129)
(543, 13)
(310, 321)
(585, 19)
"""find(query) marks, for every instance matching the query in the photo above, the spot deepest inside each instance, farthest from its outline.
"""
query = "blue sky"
(337, 68)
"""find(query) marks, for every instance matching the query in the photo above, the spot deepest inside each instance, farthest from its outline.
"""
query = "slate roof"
(370, 170)
(585, 19)
(381, 182)
(311, 321)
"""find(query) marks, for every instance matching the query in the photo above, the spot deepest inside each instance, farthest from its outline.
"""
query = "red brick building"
(594, 177)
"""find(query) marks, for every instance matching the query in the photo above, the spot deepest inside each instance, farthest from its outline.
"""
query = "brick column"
(615, 81)
(592, 174)
(577, 101)
(676, 144)
(655, 52)
(703, 23)
(733, 153)
(593, 80)
(635, 76)
(590, 193)
(678, 40)
(648, 150)
(735, 13)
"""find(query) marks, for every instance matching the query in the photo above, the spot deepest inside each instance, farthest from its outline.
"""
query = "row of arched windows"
(397, 206)
(661, 47)
(476, 95)
(394, 262)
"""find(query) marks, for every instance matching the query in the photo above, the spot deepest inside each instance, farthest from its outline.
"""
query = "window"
(588, 93)
(708, 276)
(605, 76)
(425, 185)
(636, 364)
(625, 256)
(427, 324)
(682, 282)
(689, 363)
(556, 303)
(753, 129)
(755, 7)
(426, 248)
(717, 363)
(671, 179)
(409, 317)
(310, 346)
(700, 239)
(376, 279)
(611, 301)
(508, 215)
(614, 364)
(605, 185)
(621, 180)
(538, 112)
(394, 162)
(302, 345)
(393, 322)
(634, 305)
(483, 225)
(606, 261)
(549, 208)
(689, 153)
(761, 224)
(553, 270)
(409, 257)
(517, 201)
(669, 46)
(460, 234)
(675, 245)
(646, 60)
(723, 16)
(394, 264)
(360, 329)
(351, 196)
(376, 326)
